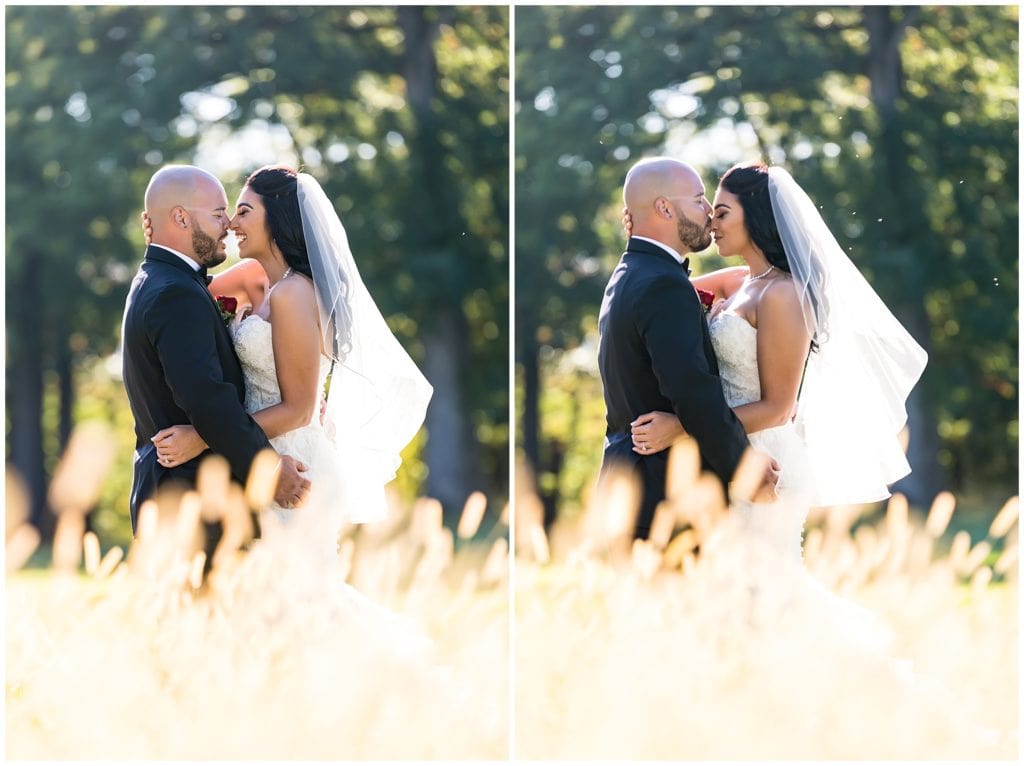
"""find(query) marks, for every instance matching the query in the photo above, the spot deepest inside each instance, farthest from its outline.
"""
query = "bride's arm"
(723, 282)
(246, 281)
(782, 346)
(296, 339)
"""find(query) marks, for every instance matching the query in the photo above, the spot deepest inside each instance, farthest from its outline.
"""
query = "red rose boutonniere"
(706, 299)
(228, 306)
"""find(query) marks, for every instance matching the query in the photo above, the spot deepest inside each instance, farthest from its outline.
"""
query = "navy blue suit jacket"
(656, 354)
(180, 367)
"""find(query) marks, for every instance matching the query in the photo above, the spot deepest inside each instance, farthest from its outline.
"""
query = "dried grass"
(678, 648)
(271, 657)
(669, 648)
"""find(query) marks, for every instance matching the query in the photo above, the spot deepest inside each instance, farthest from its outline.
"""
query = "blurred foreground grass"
(894, 640)
(133, 655)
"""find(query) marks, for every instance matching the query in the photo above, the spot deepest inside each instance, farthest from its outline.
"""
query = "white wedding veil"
(377, 396)
(852, 404)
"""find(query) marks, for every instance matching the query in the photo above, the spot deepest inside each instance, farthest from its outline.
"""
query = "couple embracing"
(201, 380)
(792, 355)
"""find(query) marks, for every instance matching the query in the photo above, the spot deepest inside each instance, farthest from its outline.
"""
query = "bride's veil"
(377, 396)
(853, 401)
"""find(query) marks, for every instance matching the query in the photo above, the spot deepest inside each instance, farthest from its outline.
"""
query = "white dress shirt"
(663, 246)
(192, 264)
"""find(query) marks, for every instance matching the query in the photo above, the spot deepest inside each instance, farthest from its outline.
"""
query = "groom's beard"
(695, 237)
(205, 248)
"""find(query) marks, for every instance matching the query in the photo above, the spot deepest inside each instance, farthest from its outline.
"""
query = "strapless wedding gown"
(783, 599)
(770, 535)
(778, 524)
(300, 546)
(317, 524)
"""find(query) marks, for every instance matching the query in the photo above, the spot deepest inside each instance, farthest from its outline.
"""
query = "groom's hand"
(292, 487)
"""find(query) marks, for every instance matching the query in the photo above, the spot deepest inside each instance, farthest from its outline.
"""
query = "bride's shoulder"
(780, 296)
(296, 290)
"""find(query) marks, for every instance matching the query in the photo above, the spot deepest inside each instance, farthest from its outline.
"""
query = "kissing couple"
(284, 351)
(792, 354)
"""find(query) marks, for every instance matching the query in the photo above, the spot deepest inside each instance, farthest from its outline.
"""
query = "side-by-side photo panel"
(257, 439)
(766, 382)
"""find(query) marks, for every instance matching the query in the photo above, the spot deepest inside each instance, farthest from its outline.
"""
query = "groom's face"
(694, 236)
(208, 221)
(693, 214)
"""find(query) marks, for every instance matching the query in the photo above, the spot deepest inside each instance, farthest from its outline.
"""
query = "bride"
(812, 362)
(325, 378)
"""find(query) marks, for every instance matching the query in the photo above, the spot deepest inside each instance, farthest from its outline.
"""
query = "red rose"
(228, 306)
(706, 299)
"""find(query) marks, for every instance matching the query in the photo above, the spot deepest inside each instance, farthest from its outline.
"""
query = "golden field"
(399, 649)
(889, 642)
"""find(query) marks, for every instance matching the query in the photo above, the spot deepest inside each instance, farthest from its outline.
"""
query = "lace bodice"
(735, 342)
(255, 349)
(253, 337)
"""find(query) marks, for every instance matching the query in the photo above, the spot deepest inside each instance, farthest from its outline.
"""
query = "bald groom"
(655, 351)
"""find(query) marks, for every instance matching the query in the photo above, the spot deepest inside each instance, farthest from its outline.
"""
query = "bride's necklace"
(283, 276)
(763, 274)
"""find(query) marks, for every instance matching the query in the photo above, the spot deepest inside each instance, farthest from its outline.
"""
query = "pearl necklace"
(762, 275)
(283, 277)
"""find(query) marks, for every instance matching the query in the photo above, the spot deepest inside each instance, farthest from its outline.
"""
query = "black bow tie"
(686, 266)
(204, 276)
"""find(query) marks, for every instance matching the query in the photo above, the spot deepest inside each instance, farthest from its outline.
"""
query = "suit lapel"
(160, 255)
(647, 250)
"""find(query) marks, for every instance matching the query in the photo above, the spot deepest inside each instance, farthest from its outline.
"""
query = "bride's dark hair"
(749, 182)
(278, 187)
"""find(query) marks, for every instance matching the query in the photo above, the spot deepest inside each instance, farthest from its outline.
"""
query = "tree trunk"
(896, 186)
(25, 396)
(927, 477)
(531, 404)
(66, 390)
(450, 452)
(450, 449)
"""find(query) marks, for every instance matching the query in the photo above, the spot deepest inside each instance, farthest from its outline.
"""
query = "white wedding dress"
(763, 557)
(316, 525)
(779, 524)
(302, 543)
(769, 536)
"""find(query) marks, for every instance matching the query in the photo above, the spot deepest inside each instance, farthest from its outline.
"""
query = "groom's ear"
(662, 208)
(180, 217)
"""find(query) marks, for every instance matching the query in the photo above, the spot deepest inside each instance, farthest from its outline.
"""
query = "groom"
(655, 351)
(179, 364)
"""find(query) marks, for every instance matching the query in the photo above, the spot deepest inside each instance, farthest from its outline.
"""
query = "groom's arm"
(185, 345)
(668, 315)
